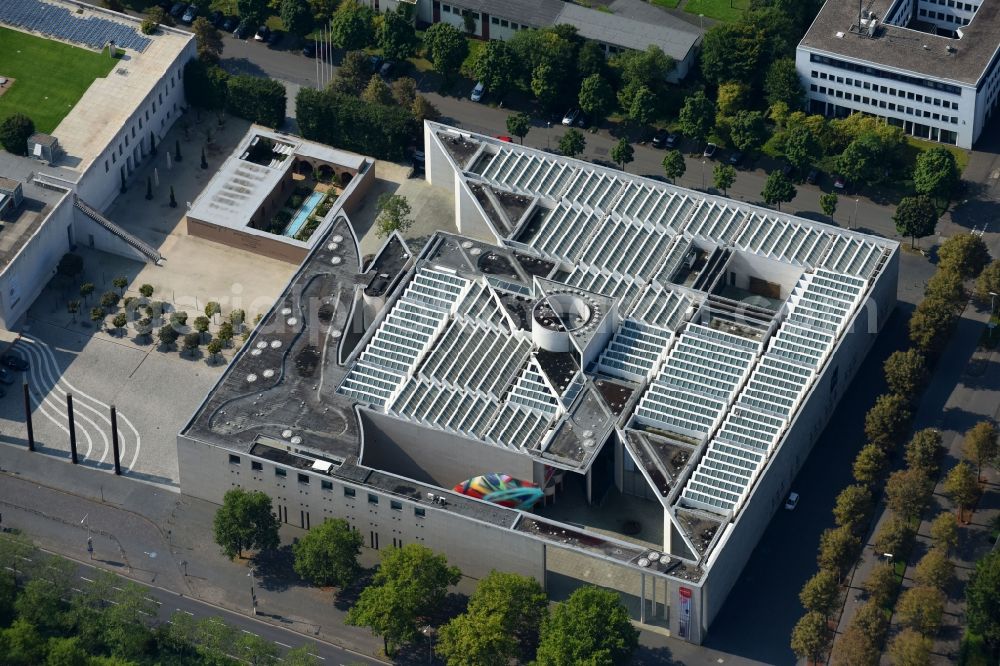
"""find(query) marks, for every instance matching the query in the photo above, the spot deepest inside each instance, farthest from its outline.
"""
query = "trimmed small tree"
(245, 522)
(882, 584)
(962, 487)
(980, 445)
(120, 283)
(924, 450)
(869, 465)
(934, 570)
(86, 289)
(212, 308)
(821, 593)
(909, 648)
(915, 217)
(907, 492)
(572, 142)
(518, 125)
(905, 373)
(97, 316)
(944, 531)
(921, 608)
(811, 637)
(887, 422)
(723, 177)
(15, 130)
(167, 335)
(777, 189)
(837, 550)
(192, 341)
(894, 537)
(119, 322)
(622, 153)
(591, 627)
(214, 348)
(146, 290)
(853, 508)
(828, 203)
(674, 165)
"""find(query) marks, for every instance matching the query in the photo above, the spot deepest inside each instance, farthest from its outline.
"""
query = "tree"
(781, 84)
(66, 651)
(907, 492)
(252, 11)
(328, 554)
(980, 445)
(178, 319)
(72, 307)
(404, 91)
(237, 317)
(297, 17)
(869, 465)
(905, 373)
(143, 327)
(109, 299)
(120, 283)
(201, 324)
(894, 537)
(982, 601)
(205, 85)
(15, 130)
(447, 48)
(988, 281)
(622, 152)
(97, 316)
(255, 650)
(828, 203)
(674, 165)
(947, 285)
(923, 451)
(244, 521)
(410, 583)
(146, 290)
(962, 486)
(855, 648)
(966, 254)
(944, 531)
(500, 624)
(643, 107)
(931, 324)
(801, 147)
(493, 66)
(882, 584)
(811, 637)
(395, 35)
(887, 422)
(934, 570)
(596, 97)
(192, 341)
(208, 40)
(572, 142)
(70, 265)
(518, 124)
(821, 593)
(909, 648)
(723, 176)
(214, 348)
(731, 52)
(159, 16)
(354, 73)
(119, 322)
(591, 627)
(257, 99)
(778, 189)
(748, 130)
(697, 116)
(837, 550)
(352, 27)
(86, 289)
(545, 82)
(41, 602)
(212, 308)
(921, 609)
(731, 97)
(225, 334)
(393, 214)
(853, 507)
(915, 217)
(377, 91)
(422, 109)
(935, 174)
(591, 60)
(22, 644)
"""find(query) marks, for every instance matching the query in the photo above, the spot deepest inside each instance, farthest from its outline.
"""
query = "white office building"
(928, 66)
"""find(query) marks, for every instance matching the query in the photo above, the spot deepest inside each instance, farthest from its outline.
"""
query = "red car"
(505, 138)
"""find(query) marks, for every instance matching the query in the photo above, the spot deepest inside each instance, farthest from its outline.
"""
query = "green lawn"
(961, 155)
(668, 4)
(721, 10)
(49, 76)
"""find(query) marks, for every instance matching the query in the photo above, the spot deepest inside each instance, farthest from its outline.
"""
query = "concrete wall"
(269, 247)
(31, 269)
(207, 473)
(734, 549)
(434, 456)
(745, 265)
(156, 114)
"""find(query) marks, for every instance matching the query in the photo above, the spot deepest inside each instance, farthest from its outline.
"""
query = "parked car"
(813, 176)
(574, 117)
(243, 30)
(792, 501)
(190, 14)
(274, 37)
(673, 140)
(418, 159)
(262, 34)
(385, 71)
(6, 376)
(735, 158)
(216, 18)
(178, 9)
(660, 138)
(478, 92)
(15, 362)
(710, 150)
(839, 182)
(309, 50)
(230, 23)
(504, 137)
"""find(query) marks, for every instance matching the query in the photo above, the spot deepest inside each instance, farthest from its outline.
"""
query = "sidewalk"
(964, 389)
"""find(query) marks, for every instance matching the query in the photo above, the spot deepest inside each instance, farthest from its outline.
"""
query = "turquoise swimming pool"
(303, 213)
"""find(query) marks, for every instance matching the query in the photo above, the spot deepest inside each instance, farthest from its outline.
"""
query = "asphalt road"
(170, 603)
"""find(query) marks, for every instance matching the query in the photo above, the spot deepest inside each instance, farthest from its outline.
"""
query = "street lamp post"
(90, 540)
(856, 200)
(703, 174)
(429, 632)
(253, 595)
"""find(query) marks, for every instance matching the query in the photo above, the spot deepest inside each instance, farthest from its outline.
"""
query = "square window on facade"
(395, 506)
(234, 459)
(326, 485)
(419, 511)
(256, 466)
(349, 492)
(372, 498)
(304, 479)
(280, 472)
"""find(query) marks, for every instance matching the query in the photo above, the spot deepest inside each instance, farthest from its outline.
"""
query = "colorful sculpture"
(502, 489)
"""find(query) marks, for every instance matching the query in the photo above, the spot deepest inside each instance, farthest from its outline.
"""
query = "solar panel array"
(532, 391)
(635, 350)
(697, 381)
(62, 23)
(774, 390)
(404, 337)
